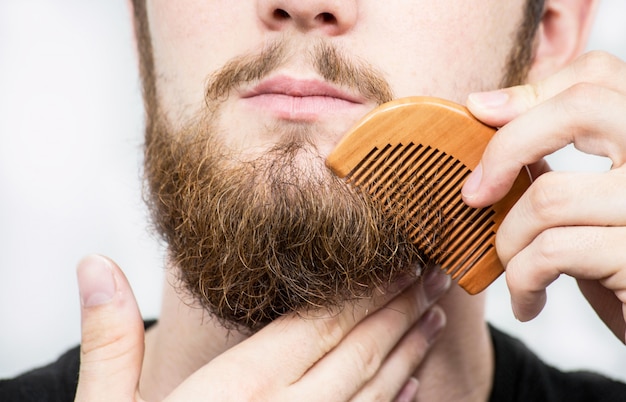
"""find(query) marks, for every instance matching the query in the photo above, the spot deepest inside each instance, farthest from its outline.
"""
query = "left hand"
(566, 223)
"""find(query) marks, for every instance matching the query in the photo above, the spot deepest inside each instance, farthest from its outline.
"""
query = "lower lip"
(305, 108)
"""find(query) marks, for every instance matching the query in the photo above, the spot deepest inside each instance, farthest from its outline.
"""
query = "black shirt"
(519, 377)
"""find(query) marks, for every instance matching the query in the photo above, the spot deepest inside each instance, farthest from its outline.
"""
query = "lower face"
(247, 114)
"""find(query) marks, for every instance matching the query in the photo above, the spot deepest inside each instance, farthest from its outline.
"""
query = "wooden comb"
(412, 155)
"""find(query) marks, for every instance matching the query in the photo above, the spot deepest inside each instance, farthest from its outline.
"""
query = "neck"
(458, 368)
(184, 339)
(460, 365)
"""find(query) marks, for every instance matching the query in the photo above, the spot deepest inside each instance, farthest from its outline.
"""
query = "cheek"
(190, 39)
(441, 53)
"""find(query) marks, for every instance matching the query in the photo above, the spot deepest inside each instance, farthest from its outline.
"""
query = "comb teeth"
(423, 185)
(411, 156)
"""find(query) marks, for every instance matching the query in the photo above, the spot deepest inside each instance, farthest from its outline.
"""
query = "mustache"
(326, 59)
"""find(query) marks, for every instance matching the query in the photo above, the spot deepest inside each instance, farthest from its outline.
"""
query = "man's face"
(252, 95)
(442, 48)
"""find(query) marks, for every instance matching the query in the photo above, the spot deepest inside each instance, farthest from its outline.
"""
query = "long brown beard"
(256, 239)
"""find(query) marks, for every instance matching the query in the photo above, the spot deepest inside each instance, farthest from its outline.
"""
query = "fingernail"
(96, 283)
(431, 324)
(470, 188)
(489, 100)
(436, 283)
(409, 391)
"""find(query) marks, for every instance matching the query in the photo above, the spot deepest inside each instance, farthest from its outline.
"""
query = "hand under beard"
(255, 239)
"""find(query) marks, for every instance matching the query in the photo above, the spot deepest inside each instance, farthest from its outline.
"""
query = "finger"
(364, 351)
(590, 77)
(112, 333)
(391, 378)
(284, 350)
(592, 253)
(408, 393)
(562, 199)
(497, 108)
(306, 338)
(590, 117)
(539, 168)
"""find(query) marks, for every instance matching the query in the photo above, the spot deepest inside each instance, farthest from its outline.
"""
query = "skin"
(568, 223)
(187, 49)
(368, 352)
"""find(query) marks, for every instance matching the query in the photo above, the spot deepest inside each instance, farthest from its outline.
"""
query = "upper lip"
(284, 85)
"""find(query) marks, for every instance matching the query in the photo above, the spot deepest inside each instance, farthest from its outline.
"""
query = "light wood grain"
(412, 156)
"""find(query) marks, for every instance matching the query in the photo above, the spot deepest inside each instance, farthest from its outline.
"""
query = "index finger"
(290, 346)
(545, 117)
(293, 343)
(497, 108)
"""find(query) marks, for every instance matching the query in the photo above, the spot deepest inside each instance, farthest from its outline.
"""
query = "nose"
(330, 17)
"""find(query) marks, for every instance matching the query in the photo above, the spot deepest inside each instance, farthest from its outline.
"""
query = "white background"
(70, 146)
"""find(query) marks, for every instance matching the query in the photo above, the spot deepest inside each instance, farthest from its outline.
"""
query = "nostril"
(281, 14)
(304, 18)
(327, 18)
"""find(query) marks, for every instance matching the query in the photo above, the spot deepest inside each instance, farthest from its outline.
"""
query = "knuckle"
(111, 348)
(105, 337)
(329, 332)
(548, 246)
(580, 102)
(598, 66)
(97, 337)
(547, 197)
(523, 283)
(367, 355)
(583, 97)
(533, 93)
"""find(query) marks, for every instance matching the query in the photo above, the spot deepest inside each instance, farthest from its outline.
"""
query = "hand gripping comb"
(412, 155)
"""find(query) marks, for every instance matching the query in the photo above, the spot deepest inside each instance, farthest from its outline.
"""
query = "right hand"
(368, 352)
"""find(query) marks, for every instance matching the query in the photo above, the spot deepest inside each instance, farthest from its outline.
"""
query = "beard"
(254, 238)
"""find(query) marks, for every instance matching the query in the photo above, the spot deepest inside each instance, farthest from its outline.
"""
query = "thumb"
(112, 333)
(497, 108)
